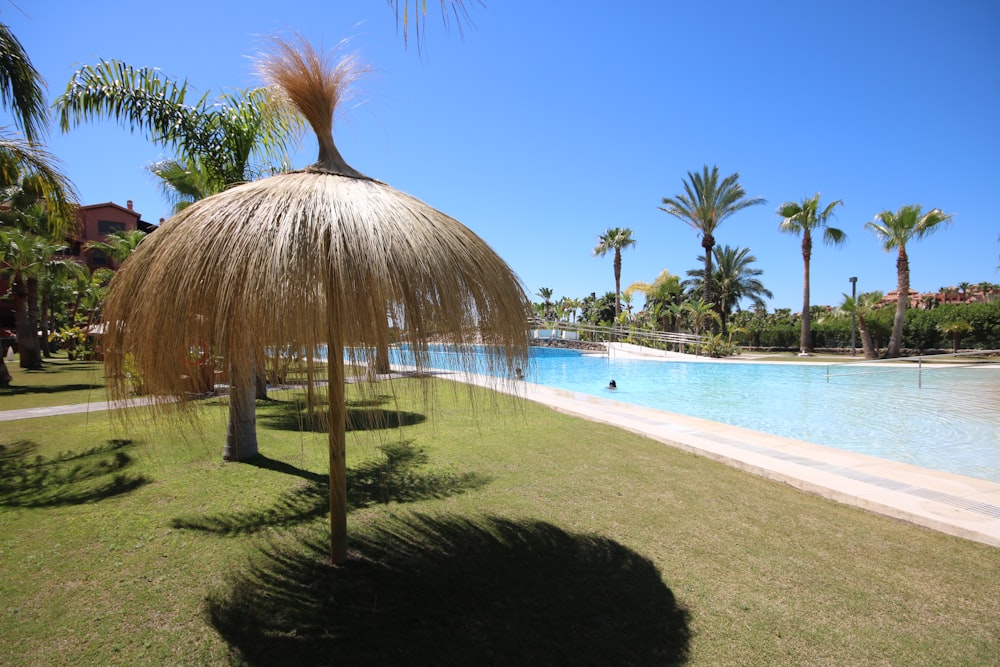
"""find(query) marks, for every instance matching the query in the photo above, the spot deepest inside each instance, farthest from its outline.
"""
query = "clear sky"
(542, 124)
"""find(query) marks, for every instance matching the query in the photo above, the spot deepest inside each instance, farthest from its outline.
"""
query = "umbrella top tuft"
(314, 85)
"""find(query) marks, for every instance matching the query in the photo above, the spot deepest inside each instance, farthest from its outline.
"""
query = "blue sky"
(543, 124)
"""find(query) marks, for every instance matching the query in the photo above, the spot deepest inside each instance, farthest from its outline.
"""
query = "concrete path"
(77, 408)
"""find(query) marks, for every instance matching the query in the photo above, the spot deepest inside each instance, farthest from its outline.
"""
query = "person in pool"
(612, 384)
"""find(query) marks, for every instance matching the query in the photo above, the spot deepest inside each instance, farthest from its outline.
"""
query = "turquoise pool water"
(949, 420)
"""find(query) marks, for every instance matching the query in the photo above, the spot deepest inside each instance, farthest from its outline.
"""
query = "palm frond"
(21, 87)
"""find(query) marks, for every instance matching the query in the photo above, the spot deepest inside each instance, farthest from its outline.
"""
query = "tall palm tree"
(703, 205)
(803, 218)
(895, 230)
(735, 279)
(223, 142)
(615, 240)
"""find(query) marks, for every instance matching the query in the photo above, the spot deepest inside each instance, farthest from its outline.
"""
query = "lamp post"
(854, 299)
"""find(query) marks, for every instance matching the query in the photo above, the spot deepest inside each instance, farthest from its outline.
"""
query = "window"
(105, 227)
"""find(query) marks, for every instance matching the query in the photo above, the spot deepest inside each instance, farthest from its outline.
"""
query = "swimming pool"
(948, 421)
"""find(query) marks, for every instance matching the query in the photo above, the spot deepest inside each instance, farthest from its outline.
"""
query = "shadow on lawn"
(393, 477)
(453, 591)
(71, 478)
(362, 415)
(18, 390)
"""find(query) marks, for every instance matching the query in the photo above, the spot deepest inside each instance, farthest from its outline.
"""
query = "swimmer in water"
(612, 385)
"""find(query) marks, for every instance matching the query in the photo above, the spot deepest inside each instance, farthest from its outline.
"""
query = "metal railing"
(546, 330)
(933, 362)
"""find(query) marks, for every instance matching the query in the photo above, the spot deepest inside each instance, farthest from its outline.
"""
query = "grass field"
(515, 536)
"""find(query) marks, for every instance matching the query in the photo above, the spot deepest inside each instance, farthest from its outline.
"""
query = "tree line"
(710, 297)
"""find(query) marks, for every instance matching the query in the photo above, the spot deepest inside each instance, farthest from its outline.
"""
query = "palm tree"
(862, 308)
(55, 292)
(459, 13)
(705, 203)
(665, 291)
(615, 239)
(22, 92)
(570, 306)
(963, 288)
(220, 143)
(118, 245)
(182, 183)
(735, 279)
(335, 251)
(24, 256)
(701, 312)
(955, 329)
(895, 230)
(21, 87)
(229, 140)
(802, 218)
(545, 294)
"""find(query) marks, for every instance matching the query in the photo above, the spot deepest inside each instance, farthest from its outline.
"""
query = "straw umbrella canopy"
(321, 257)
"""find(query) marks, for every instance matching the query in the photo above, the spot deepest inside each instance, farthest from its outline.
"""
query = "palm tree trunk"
(34, 317)
(27, 338)
(618, 283)
(241, 430)
(260, 386)
(902, 301)
(380, 364)
(805, 342)
(866, 339)
(707, 242)
(44, 321)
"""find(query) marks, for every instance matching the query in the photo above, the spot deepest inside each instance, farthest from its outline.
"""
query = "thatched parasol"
(320, 257)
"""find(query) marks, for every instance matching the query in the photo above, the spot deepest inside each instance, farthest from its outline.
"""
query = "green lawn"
(62, 382)
(519, 536)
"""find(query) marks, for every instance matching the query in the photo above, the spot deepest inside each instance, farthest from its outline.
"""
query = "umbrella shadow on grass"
(362, 415)
(422, 590)
(396, 476)
(71, 478)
